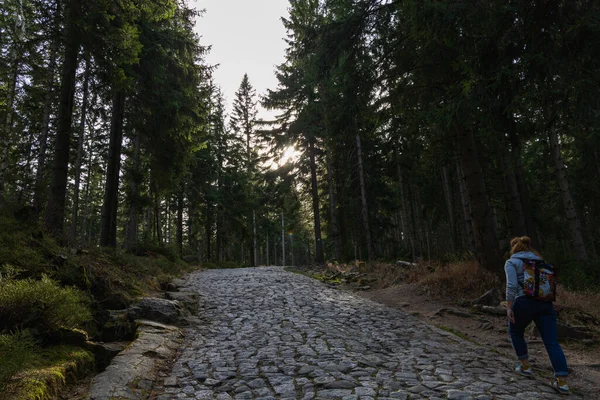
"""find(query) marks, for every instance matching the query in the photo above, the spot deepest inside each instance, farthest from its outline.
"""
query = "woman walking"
(522, 307)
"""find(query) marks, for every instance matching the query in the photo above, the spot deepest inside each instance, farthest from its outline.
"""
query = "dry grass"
(457, 280)
(464, 278)
(588, 302)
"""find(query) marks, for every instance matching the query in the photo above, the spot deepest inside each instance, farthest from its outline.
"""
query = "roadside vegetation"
(53, 298)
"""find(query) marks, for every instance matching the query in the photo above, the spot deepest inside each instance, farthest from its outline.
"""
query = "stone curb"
(132, 372)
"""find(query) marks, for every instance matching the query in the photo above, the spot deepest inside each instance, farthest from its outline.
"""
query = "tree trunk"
(282, 240)
(157, 226)
(40, 188)
(486, 243)
(363, 194)
(449, 205)
(78, 161)
(516, 217)
(568, 203)
(55, 211)
(86, 204)
(466, 208)
(8, 122)
(407, 214)
(255, 241)
(523, 189)
(333, 215)
(208, 230)
(132, 225)
(179, 235)
(319, 256)
(108, 231)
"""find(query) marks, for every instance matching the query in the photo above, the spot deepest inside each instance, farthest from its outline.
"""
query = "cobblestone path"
(271, 334)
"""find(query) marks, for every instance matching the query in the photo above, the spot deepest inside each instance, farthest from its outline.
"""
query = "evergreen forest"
(423, 131)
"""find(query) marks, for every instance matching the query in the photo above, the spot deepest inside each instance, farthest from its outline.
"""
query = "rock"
(498, 310)
(490, 298)
(573, 332)
(132, 372)
(405, 264)
(160, 310)
(105, 352)
(73, 337)
(190, 300)
(175, 285)
(118, 327)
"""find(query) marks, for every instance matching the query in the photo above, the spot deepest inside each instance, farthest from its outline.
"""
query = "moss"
(49, 373)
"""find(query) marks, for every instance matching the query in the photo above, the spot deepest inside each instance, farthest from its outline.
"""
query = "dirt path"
(584, 360)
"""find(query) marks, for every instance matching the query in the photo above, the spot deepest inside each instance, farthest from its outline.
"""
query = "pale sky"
(246, 37)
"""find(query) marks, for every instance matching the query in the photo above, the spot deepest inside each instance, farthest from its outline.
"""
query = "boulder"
(490, 298)
(189, 300)
(165, 311)
(175, 285)
(118, 327)
(573, 332)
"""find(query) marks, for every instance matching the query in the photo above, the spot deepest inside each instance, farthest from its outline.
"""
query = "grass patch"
(41, 304)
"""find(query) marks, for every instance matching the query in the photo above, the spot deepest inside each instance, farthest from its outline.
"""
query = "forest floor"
(451, 313)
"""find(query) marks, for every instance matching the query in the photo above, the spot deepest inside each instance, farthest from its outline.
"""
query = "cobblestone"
(271, 334)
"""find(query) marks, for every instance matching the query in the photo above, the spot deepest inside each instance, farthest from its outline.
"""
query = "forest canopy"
(425, 130)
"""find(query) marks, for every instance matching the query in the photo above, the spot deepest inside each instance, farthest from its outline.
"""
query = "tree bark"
(363, 194)
(567, 199)
(319, 256)
(108, 231)
(55, 211)
(79, 159)
(486, 243)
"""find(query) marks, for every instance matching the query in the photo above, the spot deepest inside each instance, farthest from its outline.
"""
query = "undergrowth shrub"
(41, 304)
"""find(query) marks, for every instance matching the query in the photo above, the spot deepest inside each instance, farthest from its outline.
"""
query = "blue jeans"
(544, 316)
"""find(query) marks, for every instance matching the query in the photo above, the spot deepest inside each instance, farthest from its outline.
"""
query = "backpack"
(539, 280)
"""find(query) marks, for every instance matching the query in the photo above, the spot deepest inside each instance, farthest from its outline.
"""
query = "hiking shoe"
(564, 389)
(524, 371)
